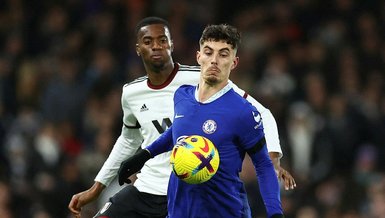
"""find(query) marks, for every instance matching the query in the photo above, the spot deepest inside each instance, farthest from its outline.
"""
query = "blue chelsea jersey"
(234, 126)
(230, 122)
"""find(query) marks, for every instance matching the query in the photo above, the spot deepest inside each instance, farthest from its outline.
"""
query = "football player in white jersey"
(147, 104)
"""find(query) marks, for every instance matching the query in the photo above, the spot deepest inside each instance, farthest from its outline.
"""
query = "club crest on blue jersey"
(209, 126)
(257, 118)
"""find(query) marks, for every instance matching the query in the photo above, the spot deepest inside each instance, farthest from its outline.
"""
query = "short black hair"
(221, 32)
(151, 20)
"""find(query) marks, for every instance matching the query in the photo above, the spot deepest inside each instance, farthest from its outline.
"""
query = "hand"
(132, 165)
(282, 174)
(83, 198)
(287, 178)
(75, 206)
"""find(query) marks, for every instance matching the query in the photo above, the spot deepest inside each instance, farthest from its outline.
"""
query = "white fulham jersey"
(148, 112)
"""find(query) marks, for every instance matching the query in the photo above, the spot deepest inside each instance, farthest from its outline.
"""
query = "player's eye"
(147, 42)
(208, 52)
(223, 54)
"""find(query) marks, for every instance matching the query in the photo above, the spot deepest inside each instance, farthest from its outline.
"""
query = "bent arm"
(268, 181)
(270, 127)
(269, 122)
(272, 138)
(126, 145)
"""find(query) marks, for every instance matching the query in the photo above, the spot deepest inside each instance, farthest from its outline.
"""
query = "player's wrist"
(132, 165)
(148, 155)
(97, 188)
(275, 158)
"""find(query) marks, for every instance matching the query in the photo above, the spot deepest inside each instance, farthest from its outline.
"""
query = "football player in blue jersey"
(148, 111)
(236, 129)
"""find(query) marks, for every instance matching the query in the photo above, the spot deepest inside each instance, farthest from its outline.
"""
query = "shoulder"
(248, 97)
(238, 99)
(188, 68)
(251, 114)
(242, 104)
(188, 73)
(183, 92)
(185, 89)
(137, 84)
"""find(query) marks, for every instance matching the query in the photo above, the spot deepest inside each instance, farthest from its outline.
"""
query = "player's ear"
(235, 63)
(198, 55)
(137, 49)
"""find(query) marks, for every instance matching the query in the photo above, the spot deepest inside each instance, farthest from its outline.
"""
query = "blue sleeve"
(250, 127)
(268, 181)
(163, 144)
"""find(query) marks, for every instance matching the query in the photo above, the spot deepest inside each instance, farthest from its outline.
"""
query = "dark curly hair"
(221, 32)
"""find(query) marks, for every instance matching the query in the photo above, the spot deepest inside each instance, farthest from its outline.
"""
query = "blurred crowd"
(319, 66)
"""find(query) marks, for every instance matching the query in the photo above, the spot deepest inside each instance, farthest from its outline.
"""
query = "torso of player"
(222, 121)
(218, 121)
(153, 109)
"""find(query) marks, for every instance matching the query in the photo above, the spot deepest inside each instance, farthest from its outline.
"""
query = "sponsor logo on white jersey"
(143, 108)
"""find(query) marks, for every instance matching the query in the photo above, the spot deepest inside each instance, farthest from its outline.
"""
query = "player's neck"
(206, 90)
(159, 76)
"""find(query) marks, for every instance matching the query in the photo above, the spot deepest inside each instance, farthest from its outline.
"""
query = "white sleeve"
(269, 123)
(125, 146)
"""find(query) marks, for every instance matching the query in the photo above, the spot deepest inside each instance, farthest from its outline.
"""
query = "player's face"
(216, 59)
(154, 45)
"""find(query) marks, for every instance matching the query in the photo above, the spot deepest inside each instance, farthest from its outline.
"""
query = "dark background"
(317, 65)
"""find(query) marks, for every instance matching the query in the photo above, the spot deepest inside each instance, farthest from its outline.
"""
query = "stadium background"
(317, 65)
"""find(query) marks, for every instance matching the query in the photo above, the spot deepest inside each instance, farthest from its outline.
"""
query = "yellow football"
(194, 159)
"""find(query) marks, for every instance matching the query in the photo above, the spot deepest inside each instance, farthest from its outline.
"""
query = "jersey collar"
(168, 81)
(217, 95)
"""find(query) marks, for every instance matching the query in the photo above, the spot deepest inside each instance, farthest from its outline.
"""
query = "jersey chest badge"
(209, 126)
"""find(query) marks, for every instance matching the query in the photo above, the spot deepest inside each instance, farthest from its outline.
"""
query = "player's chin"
(159, 64)
(211, 79)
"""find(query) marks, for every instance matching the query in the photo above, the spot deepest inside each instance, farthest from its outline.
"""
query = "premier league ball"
(194, 159)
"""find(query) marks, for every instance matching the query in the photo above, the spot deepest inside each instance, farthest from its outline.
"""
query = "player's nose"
(157, 45)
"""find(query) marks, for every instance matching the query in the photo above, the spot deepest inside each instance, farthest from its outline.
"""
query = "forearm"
(123, 148)
(268, 182)
(163, 144)
(97, 188)
(275, 159)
